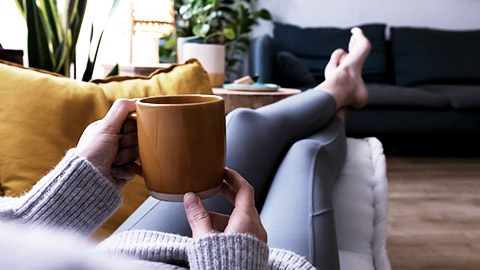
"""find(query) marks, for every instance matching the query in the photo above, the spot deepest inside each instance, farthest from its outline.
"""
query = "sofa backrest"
(313, 46)
(411, 56)
(422, 55)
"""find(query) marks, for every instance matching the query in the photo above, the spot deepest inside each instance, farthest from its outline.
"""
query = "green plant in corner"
(242, 18)
(227, 22)
(208, 19)
(52, 35)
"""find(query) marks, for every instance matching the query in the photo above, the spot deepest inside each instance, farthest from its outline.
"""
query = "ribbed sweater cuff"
(285, 259)
(148, 245)
(74, 196)
(228, 251)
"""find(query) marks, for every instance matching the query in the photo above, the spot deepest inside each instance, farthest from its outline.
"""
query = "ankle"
(333, 90)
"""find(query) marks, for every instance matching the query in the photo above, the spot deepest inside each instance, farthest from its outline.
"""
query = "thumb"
(197, 215)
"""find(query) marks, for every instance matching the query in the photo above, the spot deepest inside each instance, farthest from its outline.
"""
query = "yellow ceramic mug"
(181, 144)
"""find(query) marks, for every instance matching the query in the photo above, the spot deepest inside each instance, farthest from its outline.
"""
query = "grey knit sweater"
(46, 223)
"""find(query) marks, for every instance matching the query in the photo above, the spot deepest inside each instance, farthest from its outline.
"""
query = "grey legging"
(291, 152)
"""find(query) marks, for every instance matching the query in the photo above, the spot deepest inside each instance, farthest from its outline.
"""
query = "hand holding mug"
(112, 142)
(244, 218)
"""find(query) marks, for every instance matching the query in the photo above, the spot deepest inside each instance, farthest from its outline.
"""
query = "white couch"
(360, 200)
(360, 203)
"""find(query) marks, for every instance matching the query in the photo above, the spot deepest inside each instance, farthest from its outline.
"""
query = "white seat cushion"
(360, 201)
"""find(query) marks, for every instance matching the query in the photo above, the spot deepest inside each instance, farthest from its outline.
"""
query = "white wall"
(445, 14)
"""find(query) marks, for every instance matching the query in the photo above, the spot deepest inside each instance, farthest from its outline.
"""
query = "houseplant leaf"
(263, 14)
(201, 30)
(88, 73)
(39, 53)
(170, 43)
(21, 7)
(229, 33)
(115, 71)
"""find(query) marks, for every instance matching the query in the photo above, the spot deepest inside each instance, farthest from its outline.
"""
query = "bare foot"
(343, 73)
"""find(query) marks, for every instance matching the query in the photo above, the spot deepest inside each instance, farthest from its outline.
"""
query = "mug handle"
(132, 165)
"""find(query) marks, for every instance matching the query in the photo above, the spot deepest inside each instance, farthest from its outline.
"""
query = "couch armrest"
(262, 59)
(360, 199)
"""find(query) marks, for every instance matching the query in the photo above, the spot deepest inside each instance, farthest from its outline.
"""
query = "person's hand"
(244, 218)
(112, 142)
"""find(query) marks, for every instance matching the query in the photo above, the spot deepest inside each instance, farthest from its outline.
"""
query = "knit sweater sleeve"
(74, 196)
(215, 251)
(241, 251)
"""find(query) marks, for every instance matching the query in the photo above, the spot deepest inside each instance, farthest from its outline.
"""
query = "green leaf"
(87, 75)
(264, 14)
(115, 71)
(208, 7)
(21, 6)
(39, 53)
(170, 43)
(76, 15)
(49, 7)
(229, 33)
(184, 9)
(201, 30)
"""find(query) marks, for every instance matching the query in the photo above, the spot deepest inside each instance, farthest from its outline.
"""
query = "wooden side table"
(251, 99)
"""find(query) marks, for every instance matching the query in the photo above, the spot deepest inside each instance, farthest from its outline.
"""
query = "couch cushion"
(43, 114)
(315, 45)
(188, 78)
(461, 97)
(294, 73)
(385, 95)
(422, 55)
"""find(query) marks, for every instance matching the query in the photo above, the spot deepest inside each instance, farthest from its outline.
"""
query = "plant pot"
(212, 58)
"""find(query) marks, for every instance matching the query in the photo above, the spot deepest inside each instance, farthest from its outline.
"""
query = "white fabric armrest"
(360, 200)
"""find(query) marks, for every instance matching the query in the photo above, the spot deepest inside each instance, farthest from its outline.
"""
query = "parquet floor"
(434, 212)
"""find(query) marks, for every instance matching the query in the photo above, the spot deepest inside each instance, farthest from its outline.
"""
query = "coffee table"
(252, 99)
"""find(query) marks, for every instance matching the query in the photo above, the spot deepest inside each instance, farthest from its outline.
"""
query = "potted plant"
(224, 26)
(53, 34)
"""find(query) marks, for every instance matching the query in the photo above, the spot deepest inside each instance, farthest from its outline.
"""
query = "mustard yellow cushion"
(188, 78)
(43, 114)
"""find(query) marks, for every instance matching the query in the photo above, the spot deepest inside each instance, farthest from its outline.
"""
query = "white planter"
(212, 58)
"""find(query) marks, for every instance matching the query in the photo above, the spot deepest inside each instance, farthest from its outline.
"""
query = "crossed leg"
(257, 141)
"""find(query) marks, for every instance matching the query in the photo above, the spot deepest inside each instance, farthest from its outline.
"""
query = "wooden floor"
(434, 212)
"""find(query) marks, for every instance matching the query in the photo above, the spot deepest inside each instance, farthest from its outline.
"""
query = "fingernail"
(190, 200)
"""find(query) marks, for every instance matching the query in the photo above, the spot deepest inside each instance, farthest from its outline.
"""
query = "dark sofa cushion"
(313, 46)
(390, 96)
(461, 97)
(294, 73)
(422, 55)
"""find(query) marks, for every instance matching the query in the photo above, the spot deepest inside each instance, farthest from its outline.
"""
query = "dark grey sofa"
(424, 84)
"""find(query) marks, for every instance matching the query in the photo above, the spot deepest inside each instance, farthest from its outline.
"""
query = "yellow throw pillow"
(43, 114)
(188, 78)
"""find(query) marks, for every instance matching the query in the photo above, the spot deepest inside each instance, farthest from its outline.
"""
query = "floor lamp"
(152, 19)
